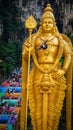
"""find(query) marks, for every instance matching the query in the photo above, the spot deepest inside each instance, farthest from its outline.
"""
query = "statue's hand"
(59, 73)
(26, 51)
(28, 46)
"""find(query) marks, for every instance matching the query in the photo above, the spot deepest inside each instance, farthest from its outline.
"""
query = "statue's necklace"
(46, 48)
(60, 52)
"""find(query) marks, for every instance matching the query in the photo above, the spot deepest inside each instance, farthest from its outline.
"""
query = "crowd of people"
(10, 100)
(14, 79)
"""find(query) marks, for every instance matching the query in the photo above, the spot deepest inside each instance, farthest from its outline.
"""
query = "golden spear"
(30, 24)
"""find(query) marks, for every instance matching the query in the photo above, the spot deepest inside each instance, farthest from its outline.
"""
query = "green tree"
(11, 39)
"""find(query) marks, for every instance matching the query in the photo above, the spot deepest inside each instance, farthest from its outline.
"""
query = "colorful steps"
(10, 97)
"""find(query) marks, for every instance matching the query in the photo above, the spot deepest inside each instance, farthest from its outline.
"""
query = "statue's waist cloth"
(45, 82)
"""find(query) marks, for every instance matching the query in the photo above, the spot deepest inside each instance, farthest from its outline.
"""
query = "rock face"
(32, 8)
(68, 14)
(63, 11)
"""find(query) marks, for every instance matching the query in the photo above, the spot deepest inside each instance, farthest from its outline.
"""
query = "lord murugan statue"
(46, 84)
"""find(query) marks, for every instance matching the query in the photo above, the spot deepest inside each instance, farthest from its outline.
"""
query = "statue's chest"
(46, 46)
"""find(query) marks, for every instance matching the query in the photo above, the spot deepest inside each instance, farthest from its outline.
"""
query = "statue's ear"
(54, 23)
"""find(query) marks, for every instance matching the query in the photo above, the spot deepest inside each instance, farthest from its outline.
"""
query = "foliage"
(10, 53)
(10, 43)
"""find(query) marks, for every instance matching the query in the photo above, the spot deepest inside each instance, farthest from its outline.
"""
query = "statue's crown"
(48, 13)
(48, 8)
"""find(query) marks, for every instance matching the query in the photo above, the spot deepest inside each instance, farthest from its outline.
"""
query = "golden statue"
(49, 79)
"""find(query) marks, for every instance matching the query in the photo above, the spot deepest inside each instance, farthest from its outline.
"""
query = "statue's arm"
(67, 60)
(25, 54)
(24, 65)
(25, 50)
(27, 44)
(67, 57)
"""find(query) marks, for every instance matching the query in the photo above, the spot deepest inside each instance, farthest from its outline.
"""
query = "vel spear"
(30, 24)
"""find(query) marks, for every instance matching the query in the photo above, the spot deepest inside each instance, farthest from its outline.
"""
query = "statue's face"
(47, 24)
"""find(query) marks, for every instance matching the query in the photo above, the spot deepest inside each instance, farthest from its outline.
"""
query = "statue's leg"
(56, 99)
(59, 106)
(38, 108)
(35, 104)
(32, 106)
(51, 109)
